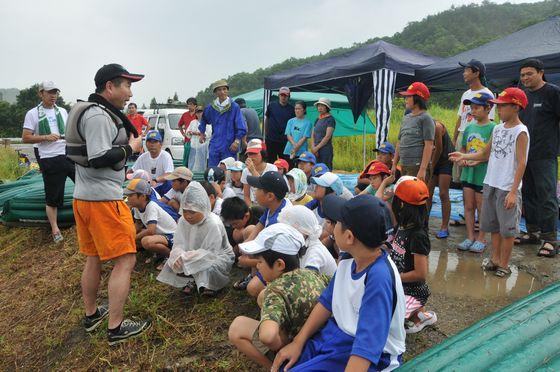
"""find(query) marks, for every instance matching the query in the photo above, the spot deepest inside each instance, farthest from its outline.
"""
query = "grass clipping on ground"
(41, 312)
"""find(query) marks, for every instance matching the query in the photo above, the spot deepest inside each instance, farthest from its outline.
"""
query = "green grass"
(9, 164)
(349, 150)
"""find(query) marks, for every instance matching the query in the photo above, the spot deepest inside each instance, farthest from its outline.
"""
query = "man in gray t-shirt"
(103, 220)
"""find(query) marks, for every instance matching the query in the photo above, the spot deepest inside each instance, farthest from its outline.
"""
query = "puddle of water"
(461, 275)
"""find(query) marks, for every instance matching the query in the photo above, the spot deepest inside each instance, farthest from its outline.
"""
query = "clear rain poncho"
(316, 256)
(201, 250)
(300, 184)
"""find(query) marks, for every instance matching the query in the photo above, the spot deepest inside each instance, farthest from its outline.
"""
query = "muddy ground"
(40, 307)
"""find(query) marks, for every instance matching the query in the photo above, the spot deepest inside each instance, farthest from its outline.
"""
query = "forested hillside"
(443, 34)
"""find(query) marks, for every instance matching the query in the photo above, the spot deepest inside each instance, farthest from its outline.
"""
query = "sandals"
(465, 245)
(442, 234)
(488, 265)
(502, 272)
(548, 249)
(527, 238)
(477, 247)
(243, 283)
(190, 288)
(57, 238)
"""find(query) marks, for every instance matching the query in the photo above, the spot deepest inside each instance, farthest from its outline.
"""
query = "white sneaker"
(427, 318)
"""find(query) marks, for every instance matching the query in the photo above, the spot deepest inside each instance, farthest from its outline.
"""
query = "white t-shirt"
(153, 213)
(503, 160)
(231, 192)
(155, 166)
(195, 139)
(465, 110)
(47, 149)
(318, 257)
(269, 167)
(173, 195)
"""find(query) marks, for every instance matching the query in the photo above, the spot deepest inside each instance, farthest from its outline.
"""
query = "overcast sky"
(181, 45)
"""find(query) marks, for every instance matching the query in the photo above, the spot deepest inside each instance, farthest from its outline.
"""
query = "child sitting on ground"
(217, 177)
(327, 183)
(282, 166)
(507, 157)
(287, 300)
(376, 172)
(476, 136)
(271, 190)
(215, 200)
(201, 257)
(180, 179)
(154, 227)
(235, 187)
(297, 182)
(358, 323)
(410, 250)
(305, 162)
(154, 196)
(316, 256)
(240, 220)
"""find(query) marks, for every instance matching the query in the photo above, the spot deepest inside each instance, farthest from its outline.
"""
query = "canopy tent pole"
(364, 140)
(266, 100)
(383, 87)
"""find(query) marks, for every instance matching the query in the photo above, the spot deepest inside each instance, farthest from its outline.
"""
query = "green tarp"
(340, 110)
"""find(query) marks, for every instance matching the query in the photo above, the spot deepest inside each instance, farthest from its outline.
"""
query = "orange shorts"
(105, 228)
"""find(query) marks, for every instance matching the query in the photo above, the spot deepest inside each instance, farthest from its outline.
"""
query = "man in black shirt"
(275, 120)
(542, 118)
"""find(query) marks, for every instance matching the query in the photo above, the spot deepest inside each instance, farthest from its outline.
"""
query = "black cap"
(270, 181)
(365, 215)
(112, 71)
(475, 65)
(214, 174)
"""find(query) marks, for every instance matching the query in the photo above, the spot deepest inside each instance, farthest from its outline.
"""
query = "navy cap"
(270, 181)
(475, 65)
(386, 148)
(481, 99)
(308, 157)
(365, 215)
(214, 174)
(319, 169)
(112, 71)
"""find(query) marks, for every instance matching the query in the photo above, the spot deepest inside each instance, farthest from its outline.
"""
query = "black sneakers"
(128, 329)
(90, 324)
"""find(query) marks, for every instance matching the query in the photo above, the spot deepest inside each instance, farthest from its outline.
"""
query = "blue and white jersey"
(364, 306)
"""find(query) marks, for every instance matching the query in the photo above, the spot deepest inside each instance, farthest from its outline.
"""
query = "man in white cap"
(276, 118)
(44, 126)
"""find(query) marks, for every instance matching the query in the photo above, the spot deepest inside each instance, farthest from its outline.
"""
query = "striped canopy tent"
(373, 70)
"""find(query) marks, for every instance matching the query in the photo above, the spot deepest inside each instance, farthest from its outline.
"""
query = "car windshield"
(173, 120)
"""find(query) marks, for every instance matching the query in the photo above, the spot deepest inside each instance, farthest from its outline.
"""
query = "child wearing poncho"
(201, 257)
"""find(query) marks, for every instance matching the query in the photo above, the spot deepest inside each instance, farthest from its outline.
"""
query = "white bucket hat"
(323, 101)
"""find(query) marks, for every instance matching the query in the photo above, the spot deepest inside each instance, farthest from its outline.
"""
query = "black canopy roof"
(331, 74)
(502, 58)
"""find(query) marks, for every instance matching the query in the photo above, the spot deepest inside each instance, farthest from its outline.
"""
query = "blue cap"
(331, 180)
(307, 157)
(365, 215)
(386, 148)
(481, 99)
(153, 135)
(319, 169)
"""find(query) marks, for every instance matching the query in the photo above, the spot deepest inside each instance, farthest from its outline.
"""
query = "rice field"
(348, 151)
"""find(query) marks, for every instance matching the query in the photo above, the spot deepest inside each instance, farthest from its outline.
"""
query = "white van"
(166, 122)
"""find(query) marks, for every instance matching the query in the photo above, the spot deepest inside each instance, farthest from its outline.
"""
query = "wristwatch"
(237, 141)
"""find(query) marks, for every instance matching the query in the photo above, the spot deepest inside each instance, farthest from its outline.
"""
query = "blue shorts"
(329, 350)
